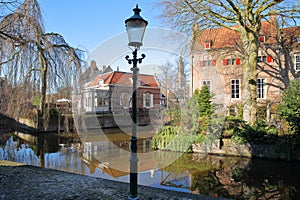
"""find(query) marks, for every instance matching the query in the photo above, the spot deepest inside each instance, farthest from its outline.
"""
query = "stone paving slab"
(24, 182)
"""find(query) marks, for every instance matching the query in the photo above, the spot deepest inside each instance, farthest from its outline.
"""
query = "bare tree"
(166, 77)
(242, 16)
(31, 57)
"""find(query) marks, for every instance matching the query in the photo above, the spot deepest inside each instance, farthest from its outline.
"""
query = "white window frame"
(138, 81)
(101, 82)
(208, 83)
(207, 45)
(147, 100)
(297, 61)
(123, 98)
(234, 94)
(262, 39)
(207, 61)
(261, 88)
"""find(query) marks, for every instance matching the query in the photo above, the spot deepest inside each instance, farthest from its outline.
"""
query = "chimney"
(117, 68)
(273, 24)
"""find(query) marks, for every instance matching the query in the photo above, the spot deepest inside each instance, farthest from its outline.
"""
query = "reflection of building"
(112, 156)
(112, 92)
(217, 63)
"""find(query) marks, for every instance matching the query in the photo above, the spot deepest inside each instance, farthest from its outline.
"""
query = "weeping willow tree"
(35, 63)
(242, 16)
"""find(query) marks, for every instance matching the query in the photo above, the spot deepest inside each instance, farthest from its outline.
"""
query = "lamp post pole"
(133, 141)
(135, 26)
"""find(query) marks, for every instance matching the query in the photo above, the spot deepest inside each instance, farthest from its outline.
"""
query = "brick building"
(112, 92)
(217, 59)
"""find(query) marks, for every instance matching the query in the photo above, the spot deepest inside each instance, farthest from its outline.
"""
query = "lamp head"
(135, 26)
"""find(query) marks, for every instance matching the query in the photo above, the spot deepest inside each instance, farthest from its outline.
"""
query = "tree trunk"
(44, 70)
(249, 94)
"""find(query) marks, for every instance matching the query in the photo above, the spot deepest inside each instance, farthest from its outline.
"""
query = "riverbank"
(18, 181)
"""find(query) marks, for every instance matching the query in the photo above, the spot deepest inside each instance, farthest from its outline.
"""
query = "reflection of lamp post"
(135, 27)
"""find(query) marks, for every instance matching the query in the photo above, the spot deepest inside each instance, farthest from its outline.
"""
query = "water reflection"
(230, 177)
(18, 152)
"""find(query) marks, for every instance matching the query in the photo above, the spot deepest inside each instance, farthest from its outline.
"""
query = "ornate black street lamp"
(135, 27)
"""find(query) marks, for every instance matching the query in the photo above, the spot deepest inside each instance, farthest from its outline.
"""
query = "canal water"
(222, 176)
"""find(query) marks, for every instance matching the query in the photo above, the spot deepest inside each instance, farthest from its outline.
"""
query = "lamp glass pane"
(135, 30)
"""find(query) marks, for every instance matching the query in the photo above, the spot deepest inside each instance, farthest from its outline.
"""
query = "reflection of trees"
(21, 153)
(271, 180)
(222, 178)
(238, 178)
(207, 183)
(211, 175)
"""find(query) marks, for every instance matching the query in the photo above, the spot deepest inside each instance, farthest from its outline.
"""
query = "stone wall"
(278, 150)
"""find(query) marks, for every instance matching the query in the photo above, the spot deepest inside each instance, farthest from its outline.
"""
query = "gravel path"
(22, 182)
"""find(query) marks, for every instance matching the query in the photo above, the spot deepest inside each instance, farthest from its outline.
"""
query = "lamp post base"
(133, 198)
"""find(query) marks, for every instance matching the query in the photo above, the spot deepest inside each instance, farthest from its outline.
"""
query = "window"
(231, 61)
(207, 83)
(148, 100)
(261, 58)
(262, 39)
(2, 84)
(207, 45)
(125, 100)
(101, 82)
(207, 61)
(89, 104)
(265, 59)
(99, 102)
(138, 81)
(106, 102)
(235, 88)
(261, 85)
(297, 62)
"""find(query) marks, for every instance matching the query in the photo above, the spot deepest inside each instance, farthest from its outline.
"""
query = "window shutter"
(269, 59)
(151, 100)
(207, 45)
(262, 39)
(214, 62)
(238, 61)
(144, 100)
(224, 62)
(201, 63)
(121, 99)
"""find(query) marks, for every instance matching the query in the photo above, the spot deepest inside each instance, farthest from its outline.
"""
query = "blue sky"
(98, 27)
(89, 23)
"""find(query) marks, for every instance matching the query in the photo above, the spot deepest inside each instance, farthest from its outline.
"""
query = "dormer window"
(207, 45)
(101, 82)
(138, 81)
(262, 39)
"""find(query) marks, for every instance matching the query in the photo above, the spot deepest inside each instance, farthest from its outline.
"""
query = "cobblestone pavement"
(21, 182)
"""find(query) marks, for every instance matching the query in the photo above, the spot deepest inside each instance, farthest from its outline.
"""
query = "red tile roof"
(227, 38)
(122, 78)
(218, 37)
